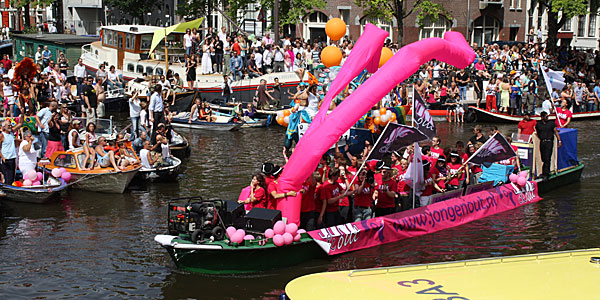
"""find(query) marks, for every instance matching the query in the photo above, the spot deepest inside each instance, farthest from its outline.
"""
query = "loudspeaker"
(260, 219)
(234, 214)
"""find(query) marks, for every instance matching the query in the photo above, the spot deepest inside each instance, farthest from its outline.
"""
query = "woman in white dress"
(206, 65)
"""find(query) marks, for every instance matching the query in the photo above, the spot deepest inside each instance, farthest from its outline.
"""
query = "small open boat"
(166, 173)
(555, 275)
(262, 113)
(45, 192)
(222, 123)
(104, 180)
(183, 100)
(479, 115)
(247, 123)
(179, 145)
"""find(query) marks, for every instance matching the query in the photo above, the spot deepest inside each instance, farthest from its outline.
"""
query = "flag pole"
(414, 184)
(368, 155)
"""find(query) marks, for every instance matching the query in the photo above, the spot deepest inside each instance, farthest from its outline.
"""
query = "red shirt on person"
(342, 184)
(527, 127)
(327, 191)
(271, 202)
(383, 199)
(261, 199)
(428, 191)
(563, 116)
(438, 174)
(236, 47)
(308, 197)
(453, 170)
(436, 153)
(402, 188)
(364, 198)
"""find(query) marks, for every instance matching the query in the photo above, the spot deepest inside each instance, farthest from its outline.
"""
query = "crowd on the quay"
(339, 191)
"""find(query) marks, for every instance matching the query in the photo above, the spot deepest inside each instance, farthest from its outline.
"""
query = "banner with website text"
(424, 220)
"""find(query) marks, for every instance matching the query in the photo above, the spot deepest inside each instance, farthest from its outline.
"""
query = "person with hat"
(456, 172)
(440, 173)
(73, 139)
(267, 170)
(385, 193)
(273, 194)
(546, 131)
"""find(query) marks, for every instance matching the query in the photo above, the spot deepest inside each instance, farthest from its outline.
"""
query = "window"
(540, 13)
(345, 15)
(377, 22)
(317, 17)
(592, 27)
(149, 70)
(115, 37)
(146, 42)
(130, 67)
(581, 26)
(65, 161)
(434, 29)
(139, 69)
(110, 38)
(128, 41)
(120, 39)
(567, 26)
(158, 71)
(105, 38)
(485, 30)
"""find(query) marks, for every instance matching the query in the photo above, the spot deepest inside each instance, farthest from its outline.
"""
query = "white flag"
(414, 174)
(553, 79)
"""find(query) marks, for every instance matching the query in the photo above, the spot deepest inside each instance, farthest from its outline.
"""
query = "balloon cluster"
(520, 179)
(61, 173)
(335, 30)
(237, 235)
(32, 178)
(283, 234)
(283, 117)
(383, 116)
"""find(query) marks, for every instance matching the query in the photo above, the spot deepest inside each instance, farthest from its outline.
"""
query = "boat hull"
(182, 123)
(116, 104)
(560, 179)
(162, 174)
(114, 182)
(480, 115)
(243, 259)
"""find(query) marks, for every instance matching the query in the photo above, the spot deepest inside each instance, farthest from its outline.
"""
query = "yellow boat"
(556, 275)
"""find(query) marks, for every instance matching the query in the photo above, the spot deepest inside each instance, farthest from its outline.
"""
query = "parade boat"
(179, 145)
(480, 115)
(47, 190)
(221, 124)
(183, 100)
(105, 180)
(556, 275)
(163, 173)
(130, 49)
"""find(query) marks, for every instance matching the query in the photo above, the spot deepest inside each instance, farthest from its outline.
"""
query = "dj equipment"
(260, 219)
(234, 215)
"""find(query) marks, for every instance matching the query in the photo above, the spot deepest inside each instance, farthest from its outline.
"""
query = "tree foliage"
(135, 8)
(292, 11)
(561, 11)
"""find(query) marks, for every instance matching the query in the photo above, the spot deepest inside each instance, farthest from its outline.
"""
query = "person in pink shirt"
(563, 115)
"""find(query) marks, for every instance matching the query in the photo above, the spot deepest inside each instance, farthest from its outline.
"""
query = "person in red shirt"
(363, 198)
(267, 170)
(308, 211)
(385, 194)
(274, 195)
(563, 114)
(474, 170)
(430, 185)
(236, 47)
(323, 167)
(441, 173)
(258, 194)
(526, 126)
(436, 149)
(460, 149)
(404, 201)
(456, 172)
(329, 195)
(344, 183)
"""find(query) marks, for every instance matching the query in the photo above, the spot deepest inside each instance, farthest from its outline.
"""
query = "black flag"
(422, 118)
(395, 137)
(495, 149)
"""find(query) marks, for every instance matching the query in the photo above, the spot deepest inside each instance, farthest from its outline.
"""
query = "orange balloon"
(331, 56)
(280, 120)
(335, 29)
(382, 111)
(386, 54)
(393, 117)
(286, 112)
(377, 121)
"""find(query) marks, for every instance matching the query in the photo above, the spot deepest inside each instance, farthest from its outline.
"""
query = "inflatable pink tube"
(453, 49)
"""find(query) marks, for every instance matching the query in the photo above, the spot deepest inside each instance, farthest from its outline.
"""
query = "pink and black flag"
(494, 150)
(422, 119)
(395, 137)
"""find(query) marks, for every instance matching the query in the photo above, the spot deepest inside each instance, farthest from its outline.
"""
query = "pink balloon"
(32, 175)
(279, 227)
(230, 231)
(278, 240)
(241, 232)
(40, 176)
(513, 178)
(291, 228)
(66, 176)
(297, 237)
(248, 237)
(56, 173)
(269, 233)
(26, 182)
(37, 182)
(301, 231)
(522, 181)
(62, 170)
(238, 237)
(524, 174)
(326, 129)
(288, 238)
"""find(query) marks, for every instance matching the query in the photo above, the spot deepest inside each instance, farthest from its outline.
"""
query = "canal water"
(91, 245)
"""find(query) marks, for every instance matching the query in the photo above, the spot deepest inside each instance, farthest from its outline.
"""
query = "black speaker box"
(260, 219)
(234, 214)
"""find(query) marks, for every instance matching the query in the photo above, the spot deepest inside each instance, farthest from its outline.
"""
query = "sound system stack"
(234, 215)
(260, 219)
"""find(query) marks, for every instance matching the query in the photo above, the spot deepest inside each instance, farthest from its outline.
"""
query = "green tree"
(135, 8)
(565, 9)
(292, 11)
(399, 10)
(25, 5)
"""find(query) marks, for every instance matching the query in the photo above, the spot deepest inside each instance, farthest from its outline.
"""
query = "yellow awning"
(159, 34)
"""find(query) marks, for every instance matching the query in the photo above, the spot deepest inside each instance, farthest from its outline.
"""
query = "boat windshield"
(103, 126)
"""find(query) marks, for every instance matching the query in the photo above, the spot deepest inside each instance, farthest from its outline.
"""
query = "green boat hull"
(560, 179)
(244, 259)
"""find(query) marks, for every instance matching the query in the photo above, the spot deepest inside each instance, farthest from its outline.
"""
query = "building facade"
(83, 17)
